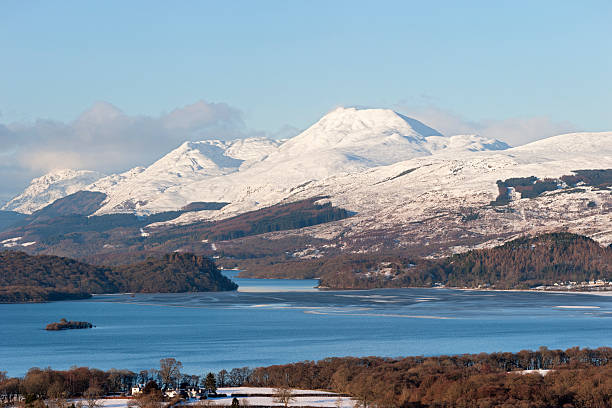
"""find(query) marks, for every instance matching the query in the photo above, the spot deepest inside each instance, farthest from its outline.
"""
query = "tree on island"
(210, 384)
(284, 395)
(170, 371)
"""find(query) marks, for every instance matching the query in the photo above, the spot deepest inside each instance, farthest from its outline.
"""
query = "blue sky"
(288, 62)
(461, 65)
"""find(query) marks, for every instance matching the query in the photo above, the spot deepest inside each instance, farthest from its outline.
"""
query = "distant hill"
(519, 264)
(27, 278)
(9, 218)
(115, 239)
(79, 203)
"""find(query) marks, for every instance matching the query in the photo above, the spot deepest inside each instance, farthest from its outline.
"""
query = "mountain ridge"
(346, 140)
(447, 195)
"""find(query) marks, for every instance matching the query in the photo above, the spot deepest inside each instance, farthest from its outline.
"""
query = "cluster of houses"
(599, 284)
(187, 393)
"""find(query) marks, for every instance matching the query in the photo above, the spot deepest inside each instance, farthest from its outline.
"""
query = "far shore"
(584, 292)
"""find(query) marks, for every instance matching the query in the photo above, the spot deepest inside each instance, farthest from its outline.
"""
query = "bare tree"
(91, 397)
(239, 376)
(284, 395)
(149, 400)
(170, 371)
(222, 377)
(57, 395)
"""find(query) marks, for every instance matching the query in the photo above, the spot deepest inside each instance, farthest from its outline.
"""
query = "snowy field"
(303, 398)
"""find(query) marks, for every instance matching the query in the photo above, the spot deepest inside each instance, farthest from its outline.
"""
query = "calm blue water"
(292, 322)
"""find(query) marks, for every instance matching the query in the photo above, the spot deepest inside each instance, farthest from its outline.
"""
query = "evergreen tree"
(235, 403)
(210, 384)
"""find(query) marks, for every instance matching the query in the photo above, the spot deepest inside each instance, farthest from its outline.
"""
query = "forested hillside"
(116, 239)
(518, 264)
(26, 278)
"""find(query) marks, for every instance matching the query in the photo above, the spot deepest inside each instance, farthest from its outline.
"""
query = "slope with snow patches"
(426, 200)
(444, 200)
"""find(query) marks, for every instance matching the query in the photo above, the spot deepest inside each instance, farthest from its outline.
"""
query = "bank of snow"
(255, 396)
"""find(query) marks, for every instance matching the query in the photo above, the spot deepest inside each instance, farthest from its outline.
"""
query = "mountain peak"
(46, 189)
(375, 118)
(345, 128)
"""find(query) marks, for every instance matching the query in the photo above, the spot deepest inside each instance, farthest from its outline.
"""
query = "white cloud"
(514, 131)
(105, 139)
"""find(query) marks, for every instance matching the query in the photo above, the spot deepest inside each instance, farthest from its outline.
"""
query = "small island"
(63, 324)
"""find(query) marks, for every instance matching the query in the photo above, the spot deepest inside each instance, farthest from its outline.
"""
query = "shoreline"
(567, 292)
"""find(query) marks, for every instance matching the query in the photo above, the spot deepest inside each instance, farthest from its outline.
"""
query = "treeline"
(600, 178)
(278, 217)
(528, 187)
(528, 262)
(519, 264)
(43, 384)
(580, 378)
(27, 278)
(531, 187)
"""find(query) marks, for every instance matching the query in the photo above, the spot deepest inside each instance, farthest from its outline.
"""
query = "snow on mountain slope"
(251, 150)
(366, 137)
(571, 143)
(464, 143)
(54, 185)
(407, 184)
(257, 171)
(426, 200)
(189, 163)
(443, 201)
(345, 141)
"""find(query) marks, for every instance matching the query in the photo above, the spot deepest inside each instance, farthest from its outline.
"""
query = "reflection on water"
(272, 322)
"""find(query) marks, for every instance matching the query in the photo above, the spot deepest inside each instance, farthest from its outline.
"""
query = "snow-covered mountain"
(189, 163)
(443, 200)
(257, 171)
(52, 186)
(342, 152)
(406, 183)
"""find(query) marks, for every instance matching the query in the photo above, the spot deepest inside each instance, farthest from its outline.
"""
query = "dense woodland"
(530, 187)
(578, 378)
(27, 278)
(48, 384)
(518, 264)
